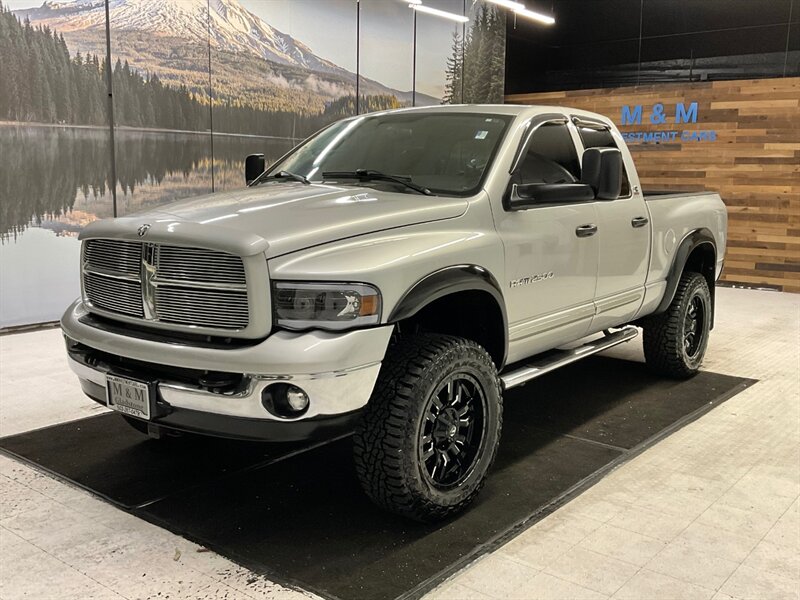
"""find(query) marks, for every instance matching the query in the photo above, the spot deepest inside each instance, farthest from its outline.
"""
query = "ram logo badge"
(531, 279)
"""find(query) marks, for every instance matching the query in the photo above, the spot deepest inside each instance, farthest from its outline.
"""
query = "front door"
(551, 252)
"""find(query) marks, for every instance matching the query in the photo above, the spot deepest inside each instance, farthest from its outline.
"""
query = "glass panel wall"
(436, 44)
(54, 144)
(161, 85)
(386, 49)
(289, 80)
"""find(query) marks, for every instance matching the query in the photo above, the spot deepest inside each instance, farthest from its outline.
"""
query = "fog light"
(285, 400)
(297, 399)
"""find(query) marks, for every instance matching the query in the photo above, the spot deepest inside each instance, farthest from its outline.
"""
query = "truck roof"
(524, 110)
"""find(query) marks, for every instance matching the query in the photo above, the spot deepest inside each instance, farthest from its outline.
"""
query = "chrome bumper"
(337, 371)
(329, 394)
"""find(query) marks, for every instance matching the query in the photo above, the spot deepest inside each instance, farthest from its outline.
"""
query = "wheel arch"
(696, 252)
(440, 301)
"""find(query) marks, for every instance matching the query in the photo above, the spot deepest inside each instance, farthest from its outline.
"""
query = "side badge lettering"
(531, 279)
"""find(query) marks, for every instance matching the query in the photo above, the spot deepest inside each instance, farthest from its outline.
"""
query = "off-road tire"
(665, 346)
(386, 443)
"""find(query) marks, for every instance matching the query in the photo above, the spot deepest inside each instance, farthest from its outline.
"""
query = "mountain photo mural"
(197, 85)
(261, 78)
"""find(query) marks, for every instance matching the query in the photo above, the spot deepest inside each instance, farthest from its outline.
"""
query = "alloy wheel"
(453, 431)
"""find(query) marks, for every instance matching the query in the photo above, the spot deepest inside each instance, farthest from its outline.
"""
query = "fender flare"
(692, 240)
(446, 281)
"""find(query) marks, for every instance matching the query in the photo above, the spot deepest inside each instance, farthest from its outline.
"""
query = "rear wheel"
(430, 432)
(675, 341)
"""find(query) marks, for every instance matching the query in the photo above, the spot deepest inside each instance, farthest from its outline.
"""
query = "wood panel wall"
(754, 163)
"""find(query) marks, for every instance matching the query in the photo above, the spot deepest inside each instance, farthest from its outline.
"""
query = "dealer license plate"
(128, 396)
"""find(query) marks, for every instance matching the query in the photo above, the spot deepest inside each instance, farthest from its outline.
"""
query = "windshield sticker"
(481, 135)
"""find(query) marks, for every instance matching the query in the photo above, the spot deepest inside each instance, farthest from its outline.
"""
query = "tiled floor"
(710, 512)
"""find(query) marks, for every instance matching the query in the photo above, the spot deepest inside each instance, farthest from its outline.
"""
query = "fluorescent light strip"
(506, 4)
(439, 13)
(547, 20)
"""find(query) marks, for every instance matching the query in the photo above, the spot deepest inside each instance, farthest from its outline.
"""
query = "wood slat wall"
(754, 163)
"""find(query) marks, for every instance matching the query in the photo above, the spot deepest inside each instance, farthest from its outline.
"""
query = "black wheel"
(676, 340)
(431, 429)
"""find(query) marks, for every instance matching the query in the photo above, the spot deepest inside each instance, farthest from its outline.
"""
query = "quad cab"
(390, 277)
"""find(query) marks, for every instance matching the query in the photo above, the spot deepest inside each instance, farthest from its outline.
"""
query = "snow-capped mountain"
(232, 28)
(169, 37)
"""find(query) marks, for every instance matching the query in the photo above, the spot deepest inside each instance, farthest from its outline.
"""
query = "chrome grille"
(226, 309)
(169, 284)
(198, 264)
(114, 256)
(115, 295)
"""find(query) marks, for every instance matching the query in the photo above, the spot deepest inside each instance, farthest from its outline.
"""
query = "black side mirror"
(602, 170)
(535, 194)
(254, 165)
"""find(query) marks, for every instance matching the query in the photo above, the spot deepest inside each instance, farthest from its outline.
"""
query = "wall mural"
(197, 85)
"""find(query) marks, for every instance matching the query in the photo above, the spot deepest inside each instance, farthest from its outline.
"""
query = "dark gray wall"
(609, 43)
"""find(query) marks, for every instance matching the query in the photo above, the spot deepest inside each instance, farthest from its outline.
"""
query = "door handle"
(639, 221)
(586, 230)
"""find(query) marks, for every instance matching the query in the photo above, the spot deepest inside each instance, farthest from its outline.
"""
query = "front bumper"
(337, 370)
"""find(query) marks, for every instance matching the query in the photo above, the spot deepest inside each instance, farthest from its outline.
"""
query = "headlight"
(325, 305)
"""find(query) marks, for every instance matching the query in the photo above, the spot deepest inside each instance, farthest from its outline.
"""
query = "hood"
(279, 217)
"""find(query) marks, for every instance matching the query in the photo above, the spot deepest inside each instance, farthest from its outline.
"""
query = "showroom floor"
(710, 512)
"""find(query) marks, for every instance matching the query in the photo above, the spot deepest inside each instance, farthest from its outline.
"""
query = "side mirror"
(602, 170)
(254, 165)
(534, 194)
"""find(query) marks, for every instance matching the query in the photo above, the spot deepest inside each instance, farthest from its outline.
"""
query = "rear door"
(551, 263)
(623, 236)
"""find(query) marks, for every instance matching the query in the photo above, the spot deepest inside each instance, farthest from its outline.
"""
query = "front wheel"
(676, 340)
(430, 432)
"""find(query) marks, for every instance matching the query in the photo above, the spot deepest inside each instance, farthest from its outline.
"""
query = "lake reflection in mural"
(55, 180)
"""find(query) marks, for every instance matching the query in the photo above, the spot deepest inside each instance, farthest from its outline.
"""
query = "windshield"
(447, 153)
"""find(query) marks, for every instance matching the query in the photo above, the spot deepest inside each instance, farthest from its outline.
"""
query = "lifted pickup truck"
(390, 277)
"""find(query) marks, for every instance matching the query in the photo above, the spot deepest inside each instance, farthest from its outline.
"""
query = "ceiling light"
(547, 20)
(439, 13)
(507, 4)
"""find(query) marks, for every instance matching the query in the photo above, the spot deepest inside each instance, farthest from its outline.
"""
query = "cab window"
(550, 158)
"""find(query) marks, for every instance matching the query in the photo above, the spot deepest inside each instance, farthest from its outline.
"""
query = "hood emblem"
(143, 229)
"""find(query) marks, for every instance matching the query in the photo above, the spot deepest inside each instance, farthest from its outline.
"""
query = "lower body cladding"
(288, 387)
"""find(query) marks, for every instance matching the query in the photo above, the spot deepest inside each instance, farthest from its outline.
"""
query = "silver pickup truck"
(389, 278)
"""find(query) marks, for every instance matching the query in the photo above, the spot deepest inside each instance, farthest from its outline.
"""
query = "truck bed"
(663, 194)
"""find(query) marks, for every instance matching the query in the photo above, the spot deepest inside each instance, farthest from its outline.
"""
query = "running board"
(550, 363)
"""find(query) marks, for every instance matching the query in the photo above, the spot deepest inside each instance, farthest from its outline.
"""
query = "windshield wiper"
(370, 175)
(286, 175)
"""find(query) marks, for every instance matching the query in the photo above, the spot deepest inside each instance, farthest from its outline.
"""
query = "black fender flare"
(446, 281)
(692, 240)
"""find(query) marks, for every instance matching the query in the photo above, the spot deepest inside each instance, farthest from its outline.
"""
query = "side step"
(552, 362)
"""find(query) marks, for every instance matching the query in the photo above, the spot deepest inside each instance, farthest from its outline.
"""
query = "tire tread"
(380, 437)
(662, 342)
